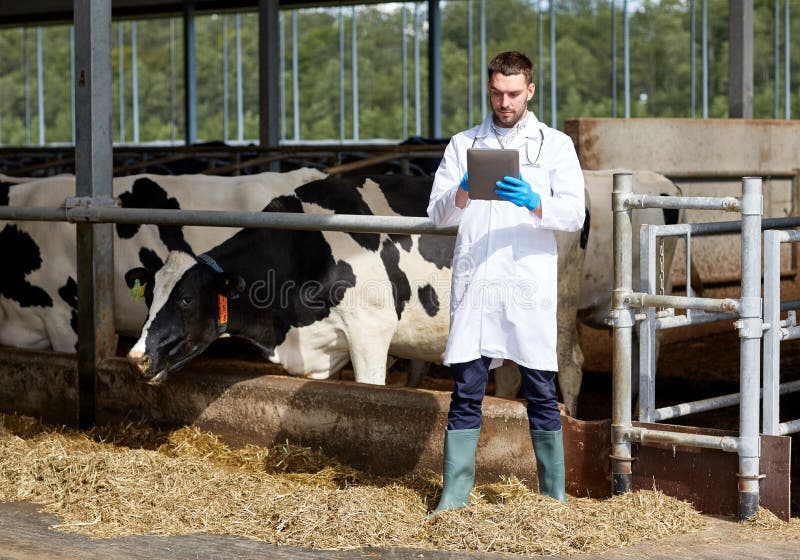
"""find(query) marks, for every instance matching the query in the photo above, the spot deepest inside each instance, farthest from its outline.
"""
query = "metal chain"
(661, 283)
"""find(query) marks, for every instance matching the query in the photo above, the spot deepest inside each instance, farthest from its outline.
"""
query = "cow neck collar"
(222, 300)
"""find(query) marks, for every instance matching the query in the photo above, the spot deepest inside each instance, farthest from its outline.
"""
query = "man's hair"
(511, 62)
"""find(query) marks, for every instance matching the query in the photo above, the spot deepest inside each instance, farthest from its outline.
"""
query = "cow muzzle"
(139, 363)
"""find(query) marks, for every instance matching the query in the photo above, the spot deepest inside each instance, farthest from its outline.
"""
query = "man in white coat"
(504, 284)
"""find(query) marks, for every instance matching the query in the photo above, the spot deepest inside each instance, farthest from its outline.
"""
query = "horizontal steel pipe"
(713, 403)
(646, 435)
(273, 220)
(699, 318)
(723, 228)
(787, 428)
(639, 201)
(725, 305)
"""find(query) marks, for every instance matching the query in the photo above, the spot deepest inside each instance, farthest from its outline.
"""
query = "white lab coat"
(504, 282)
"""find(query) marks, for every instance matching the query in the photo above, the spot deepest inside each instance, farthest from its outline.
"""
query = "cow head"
(187, 300)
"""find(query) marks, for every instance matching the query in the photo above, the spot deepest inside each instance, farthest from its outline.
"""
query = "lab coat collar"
(531, 130)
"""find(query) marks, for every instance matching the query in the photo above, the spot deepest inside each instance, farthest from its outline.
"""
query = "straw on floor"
(131, 479)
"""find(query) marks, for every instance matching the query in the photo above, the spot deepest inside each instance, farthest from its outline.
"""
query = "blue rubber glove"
(464, 182)
(519, 192)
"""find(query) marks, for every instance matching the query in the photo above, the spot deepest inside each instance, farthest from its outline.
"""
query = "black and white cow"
(38, 289)
(315, 300)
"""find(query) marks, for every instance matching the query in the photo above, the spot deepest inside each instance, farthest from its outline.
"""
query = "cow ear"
(230, 285)
(143, 275)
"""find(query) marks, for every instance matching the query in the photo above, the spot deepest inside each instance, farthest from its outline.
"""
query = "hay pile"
(129, 479)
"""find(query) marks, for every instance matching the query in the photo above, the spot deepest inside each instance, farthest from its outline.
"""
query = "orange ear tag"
(223, 309)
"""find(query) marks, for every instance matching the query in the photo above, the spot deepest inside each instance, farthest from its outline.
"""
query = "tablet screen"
(486, 166)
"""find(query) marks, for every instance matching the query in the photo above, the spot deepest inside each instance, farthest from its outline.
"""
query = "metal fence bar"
(646, 435)
(727, 203)
(789, 427)
(646, 329)
(637, 299)
(273, 220)
(729, 227)
(772, 336)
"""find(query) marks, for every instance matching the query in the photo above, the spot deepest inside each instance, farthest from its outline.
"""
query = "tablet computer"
(486, 166)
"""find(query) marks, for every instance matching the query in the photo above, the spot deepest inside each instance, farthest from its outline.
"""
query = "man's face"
(509, 96)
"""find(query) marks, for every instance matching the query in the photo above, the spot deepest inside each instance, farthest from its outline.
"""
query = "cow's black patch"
(4, 188)
(403, 240)
(150, 259)
(342, 197)
(437, 249)
(587, 224)
(429, 299)
(146, 193)
(21, 256)
(401, 289)
(406, 196)
(69, 293)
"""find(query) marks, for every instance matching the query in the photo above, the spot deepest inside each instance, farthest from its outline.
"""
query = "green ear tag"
(137, 292)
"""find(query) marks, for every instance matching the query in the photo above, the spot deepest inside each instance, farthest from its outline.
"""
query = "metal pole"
(189, 74)
(269, 77)
(434, 69)
(553, 96)
(224, 78)
(647, 328)
(239, 81)
(295, 80)
(776, 57)
(72, 78)
(282, 75)
(750, 332)
(354, 64)
(539, 61)
(121, 79)
(417, 74)
(341, 75)
(623, 321)
(470, 73)
(484, 62)
(172, 79)
(40, 84)
(787, 56)
(93, 178)
(135, 83)
(613, 59)
(404, 64)
(704, 25)
(740, 59)
(27, 88)
(772, 337)
(693, 57)
(626, 39)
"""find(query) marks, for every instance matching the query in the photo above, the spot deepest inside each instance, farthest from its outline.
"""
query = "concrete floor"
(25, 535)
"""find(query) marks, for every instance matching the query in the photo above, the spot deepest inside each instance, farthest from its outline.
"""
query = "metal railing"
(625, 301)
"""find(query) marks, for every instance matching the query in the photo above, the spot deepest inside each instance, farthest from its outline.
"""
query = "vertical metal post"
(341, 75)
(693, 57)
(189, 74)
(135, 82)
(93, 170)
(269, 72)
(622, 316)
(787, 58)
(434, 69)
(553, 95)
(776, 58)
(539, 59)
(121, 79)
(295, 80)
(239, 81)
(404, 64)
(72, 78)
(626, 40)
(354, 64)
(613, 59)
(740, 59)
(704, 50)
(27, 88)
(417, 74)
(470, 73)
(282, 73)
(484, 62)
(172, 79)
(647, 328)
(224, 38)
(772, 337)
(750, 333)
(40, 85)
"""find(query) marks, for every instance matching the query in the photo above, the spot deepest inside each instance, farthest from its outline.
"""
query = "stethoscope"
(534, 163)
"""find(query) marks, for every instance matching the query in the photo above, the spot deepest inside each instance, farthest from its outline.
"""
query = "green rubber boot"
(459, 467)
(549, 450)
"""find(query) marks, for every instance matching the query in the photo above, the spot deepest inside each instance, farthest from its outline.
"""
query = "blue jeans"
(538, 388)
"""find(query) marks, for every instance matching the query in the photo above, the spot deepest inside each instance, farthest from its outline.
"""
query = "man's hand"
(519, 192)
(462, 194)
(464, 184)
